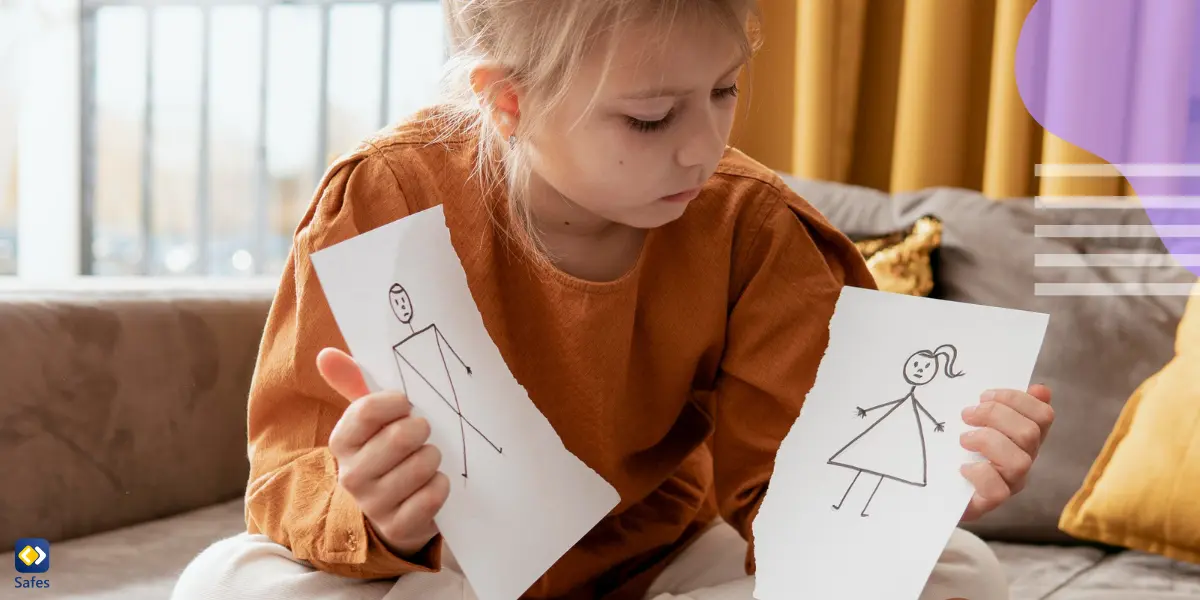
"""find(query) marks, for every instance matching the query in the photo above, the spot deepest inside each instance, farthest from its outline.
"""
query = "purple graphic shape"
(1121, 79)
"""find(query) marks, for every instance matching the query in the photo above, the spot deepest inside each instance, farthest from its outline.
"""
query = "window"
(8, 141)
(207, 126)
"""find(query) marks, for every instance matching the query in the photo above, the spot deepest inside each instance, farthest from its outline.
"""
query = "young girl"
(663, 298)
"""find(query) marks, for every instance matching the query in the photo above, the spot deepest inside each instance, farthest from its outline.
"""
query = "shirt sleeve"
(786, 281)
(293, 495)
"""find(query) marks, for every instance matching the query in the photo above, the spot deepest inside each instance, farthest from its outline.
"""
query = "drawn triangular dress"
(892, 447)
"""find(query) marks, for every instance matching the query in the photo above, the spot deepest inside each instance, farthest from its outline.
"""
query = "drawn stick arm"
(452, 351)
(878, 406)
(937, 425)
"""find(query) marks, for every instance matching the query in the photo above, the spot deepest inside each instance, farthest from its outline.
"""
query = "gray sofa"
(123, 421)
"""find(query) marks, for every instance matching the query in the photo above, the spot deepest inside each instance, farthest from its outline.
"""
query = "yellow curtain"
(901, 95)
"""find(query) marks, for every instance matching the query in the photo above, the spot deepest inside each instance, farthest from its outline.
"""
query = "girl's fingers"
(1032, 407)
(408, 477)
(410, 526)
(1005, 419)
(341, 373)
(383, 453)
(363, 419)
(990, 489)
(414, 516)
(1041, 392)
(1009, 460)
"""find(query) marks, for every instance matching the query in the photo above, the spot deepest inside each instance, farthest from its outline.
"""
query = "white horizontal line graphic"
(1116, 231)
(1118, 170)
(1114, 289)
(1143, 260)
(1117, 202)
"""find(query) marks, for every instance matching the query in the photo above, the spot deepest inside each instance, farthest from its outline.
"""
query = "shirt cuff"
(352, 548)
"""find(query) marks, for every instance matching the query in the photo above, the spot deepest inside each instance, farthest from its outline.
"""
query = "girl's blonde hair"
(541, 44)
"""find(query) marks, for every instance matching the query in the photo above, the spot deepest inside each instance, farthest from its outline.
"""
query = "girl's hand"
(1013, 425)
(383, 459)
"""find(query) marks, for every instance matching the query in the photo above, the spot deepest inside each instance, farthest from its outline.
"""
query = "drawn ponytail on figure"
(951, 353)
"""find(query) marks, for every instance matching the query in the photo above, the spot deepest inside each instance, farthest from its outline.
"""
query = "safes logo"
(32, 555)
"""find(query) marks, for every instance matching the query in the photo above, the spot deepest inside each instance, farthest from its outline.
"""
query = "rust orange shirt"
(676, 382)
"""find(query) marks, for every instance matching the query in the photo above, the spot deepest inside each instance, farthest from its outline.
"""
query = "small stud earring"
(507, 123)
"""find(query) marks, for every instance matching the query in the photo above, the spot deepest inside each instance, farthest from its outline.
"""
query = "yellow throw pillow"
(1143, 491)
(901, 262)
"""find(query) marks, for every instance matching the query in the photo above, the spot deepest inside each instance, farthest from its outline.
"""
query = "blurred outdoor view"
(8, 138)
(251, 217)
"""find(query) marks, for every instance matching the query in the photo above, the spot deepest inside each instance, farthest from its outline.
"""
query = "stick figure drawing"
(893, 447)
(421, 358)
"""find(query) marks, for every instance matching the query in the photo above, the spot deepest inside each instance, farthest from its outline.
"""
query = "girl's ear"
(497, 97)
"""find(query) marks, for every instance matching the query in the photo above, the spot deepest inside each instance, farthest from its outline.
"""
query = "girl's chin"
(656, 215)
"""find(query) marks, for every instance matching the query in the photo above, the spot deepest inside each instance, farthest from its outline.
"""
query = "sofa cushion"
(142, 561)
(1134, 576)
(1034, 571)
(123, 403)
(1143, 491)
(1097, 348)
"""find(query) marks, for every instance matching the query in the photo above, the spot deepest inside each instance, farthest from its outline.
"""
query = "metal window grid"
(89, 12)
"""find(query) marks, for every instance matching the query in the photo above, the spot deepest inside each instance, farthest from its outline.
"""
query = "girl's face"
(659, 124)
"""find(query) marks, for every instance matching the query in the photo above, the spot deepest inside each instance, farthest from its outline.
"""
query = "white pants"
(252, 567)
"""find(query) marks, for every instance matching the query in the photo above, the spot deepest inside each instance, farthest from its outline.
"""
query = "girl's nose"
(704, 146)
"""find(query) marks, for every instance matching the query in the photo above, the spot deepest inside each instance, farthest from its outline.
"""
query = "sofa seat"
(1087, 573)
(1134, 575)
(143, 561)
(140, 561)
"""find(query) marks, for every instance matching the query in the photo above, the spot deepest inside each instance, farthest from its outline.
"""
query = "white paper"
(519, 499)
(804, 547)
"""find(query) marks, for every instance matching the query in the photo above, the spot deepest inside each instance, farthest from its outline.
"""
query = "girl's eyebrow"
(655, 93)
(672, 92)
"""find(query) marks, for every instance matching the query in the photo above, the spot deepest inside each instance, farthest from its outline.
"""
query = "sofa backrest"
(120, 405)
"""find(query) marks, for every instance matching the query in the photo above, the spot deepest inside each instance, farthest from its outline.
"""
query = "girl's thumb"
(342, 374)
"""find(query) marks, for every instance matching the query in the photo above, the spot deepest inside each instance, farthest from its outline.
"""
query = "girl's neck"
(553, 213)
(581, 243)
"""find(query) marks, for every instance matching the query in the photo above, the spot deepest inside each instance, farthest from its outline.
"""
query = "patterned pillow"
(902, 261)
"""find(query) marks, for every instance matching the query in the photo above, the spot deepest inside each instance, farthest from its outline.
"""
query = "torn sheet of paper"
(867, 487)
(518, 499)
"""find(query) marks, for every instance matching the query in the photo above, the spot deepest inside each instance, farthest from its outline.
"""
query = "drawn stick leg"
(864, 510)
(403, 383)
(838, 506)
(457, 406)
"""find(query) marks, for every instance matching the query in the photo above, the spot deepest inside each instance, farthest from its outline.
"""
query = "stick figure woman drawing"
(893, 447)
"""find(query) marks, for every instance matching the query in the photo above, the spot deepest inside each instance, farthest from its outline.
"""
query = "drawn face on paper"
(920, 368)
(401, 303)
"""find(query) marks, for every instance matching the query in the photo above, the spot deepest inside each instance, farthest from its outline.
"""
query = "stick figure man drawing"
(893, 447)
(421, 358)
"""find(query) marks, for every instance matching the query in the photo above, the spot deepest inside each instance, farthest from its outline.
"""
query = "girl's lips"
(686, 196)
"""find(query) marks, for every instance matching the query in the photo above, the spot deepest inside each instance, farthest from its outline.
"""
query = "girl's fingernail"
(988, 395)
(968, 412)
